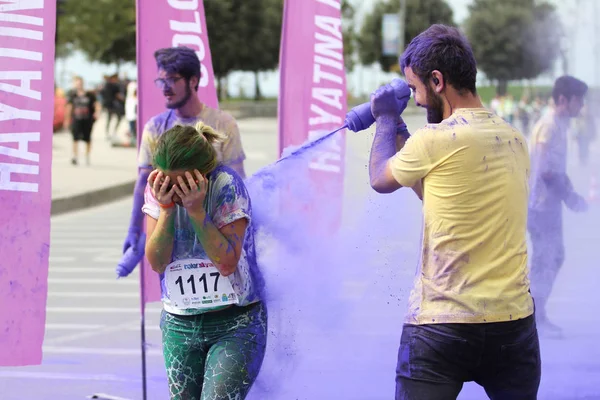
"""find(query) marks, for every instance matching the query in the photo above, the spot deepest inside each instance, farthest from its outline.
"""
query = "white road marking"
(61, 259)
(93, 281)
(84, 335)
(73, 327)
(85, 269)
(69, 250)
(83, 295)
(63, 376)
(150, 327)
(100, 310)
(117, 244)
(100, 351)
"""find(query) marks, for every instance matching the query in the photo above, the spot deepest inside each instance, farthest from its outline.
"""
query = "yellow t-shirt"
(474, 168)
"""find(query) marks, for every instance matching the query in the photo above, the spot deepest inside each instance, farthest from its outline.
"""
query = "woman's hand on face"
(192, 191)
(159, 184)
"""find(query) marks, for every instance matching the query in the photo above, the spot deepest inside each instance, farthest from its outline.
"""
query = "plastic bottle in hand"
(132, 257)
(360, 117)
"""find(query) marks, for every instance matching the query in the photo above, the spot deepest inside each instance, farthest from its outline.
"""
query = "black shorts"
(82, 130)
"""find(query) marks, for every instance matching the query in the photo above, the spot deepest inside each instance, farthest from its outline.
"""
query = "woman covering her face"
(200, 239)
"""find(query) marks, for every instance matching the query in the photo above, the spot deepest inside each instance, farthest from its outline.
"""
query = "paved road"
(92, 331)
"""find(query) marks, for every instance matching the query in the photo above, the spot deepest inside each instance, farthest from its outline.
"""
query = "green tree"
(514, 39)
(420, 15)
(257, 34)
(258, 37)
(348, 33)
(102, 29)
(222, 36)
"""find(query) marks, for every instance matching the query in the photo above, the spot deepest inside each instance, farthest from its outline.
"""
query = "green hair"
(186, 148)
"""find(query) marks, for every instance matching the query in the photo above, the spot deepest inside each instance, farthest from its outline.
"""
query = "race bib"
(196, 283)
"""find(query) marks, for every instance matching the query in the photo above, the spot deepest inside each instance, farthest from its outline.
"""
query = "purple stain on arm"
(383, 148)
(137, 216)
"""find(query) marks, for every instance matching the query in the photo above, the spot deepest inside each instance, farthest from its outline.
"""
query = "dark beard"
(182, 102)
(435, 108)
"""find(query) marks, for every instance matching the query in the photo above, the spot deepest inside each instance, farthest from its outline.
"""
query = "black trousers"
(435, 360)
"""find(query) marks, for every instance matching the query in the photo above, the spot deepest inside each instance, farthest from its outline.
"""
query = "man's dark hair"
(569, 87)
(446, 49)
(179, 60)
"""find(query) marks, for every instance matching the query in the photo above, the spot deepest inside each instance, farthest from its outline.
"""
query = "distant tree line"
(512, 39)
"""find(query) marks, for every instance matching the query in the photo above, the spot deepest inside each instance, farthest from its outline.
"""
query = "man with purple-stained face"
(177, 81)
(470, 313)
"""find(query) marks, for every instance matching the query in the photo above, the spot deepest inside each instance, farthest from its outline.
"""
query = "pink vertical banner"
(27, 31)
(312, 97)
(160, 24)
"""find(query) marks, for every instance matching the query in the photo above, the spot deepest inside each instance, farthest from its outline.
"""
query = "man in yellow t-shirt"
(470, 314)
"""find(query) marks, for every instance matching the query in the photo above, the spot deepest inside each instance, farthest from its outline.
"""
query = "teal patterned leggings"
(214, 356)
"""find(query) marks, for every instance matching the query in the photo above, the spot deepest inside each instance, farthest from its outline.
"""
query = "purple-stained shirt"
(550, 131)
(226, 201)
(229, 152)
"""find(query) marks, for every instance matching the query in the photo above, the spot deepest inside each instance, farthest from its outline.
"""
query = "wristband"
(165, 206)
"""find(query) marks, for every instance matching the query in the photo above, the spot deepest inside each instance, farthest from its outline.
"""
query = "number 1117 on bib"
(191, 281)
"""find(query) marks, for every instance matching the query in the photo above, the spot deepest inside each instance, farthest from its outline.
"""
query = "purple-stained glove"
(576, 203)
(133, 235)
(137, 216)
(386, 102)
(361, 117)
(132, 257)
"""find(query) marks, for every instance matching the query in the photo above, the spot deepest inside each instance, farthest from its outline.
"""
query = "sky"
(364, 79)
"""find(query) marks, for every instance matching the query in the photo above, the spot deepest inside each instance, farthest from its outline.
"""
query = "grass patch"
(487, 93)
(240, 100)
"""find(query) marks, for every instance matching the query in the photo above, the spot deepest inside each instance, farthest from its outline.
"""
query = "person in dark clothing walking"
(113, 101)
(82, 111)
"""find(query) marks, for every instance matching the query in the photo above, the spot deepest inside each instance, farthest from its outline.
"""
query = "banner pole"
(143, 332)
(141, 265)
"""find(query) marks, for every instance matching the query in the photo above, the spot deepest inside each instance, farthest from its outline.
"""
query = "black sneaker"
(74, 161)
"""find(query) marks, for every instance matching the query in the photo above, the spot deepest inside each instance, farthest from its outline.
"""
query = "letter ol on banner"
(160, 24)
(312, 98)
(26, 108)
